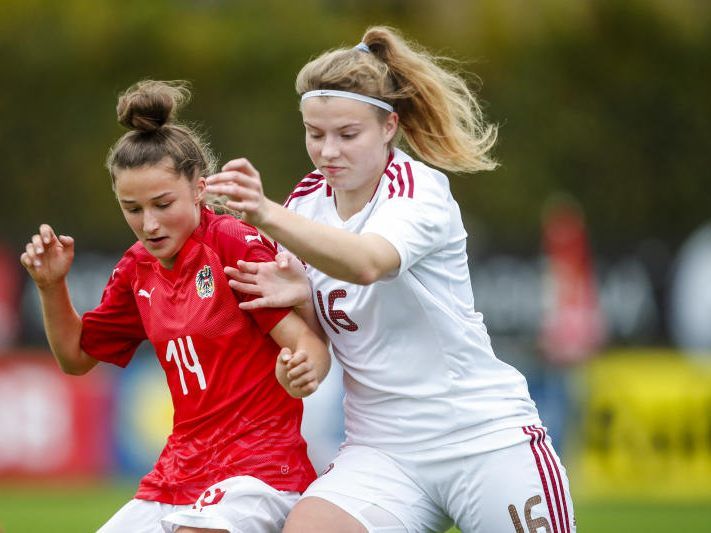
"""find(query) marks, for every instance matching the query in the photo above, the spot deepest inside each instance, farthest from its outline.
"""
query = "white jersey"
(419, 370)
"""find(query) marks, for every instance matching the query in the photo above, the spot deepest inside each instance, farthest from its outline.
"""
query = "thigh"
(237, 504)
(316, 514)
(139, 516)
(523, 487)
(374, 489)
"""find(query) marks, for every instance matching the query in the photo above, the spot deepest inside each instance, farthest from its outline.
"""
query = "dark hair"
(149, 109)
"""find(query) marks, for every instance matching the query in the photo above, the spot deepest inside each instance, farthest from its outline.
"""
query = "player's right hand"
(48, 257)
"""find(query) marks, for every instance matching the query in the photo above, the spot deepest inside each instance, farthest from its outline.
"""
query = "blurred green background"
(604, 101)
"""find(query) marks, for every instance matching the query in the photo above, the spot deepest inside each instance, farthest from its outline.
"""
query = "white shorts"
(517, 488)
(241, 504)
(140, 516)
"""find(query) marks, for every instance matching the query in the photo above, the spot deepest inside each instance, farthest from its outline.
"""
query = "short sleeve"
(240, 241)
(416, 226)
(113, 330)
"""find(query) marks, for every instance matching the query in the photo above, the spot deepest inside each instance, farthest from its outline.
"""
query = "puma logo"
(250, 238)
(146, 294)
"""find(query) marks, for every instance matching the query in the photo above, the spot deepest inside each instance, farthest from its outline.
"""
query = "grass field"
(83, 508)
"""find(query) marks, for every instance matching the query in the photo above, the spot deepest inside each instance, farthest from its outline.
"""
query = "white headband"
(352, 96)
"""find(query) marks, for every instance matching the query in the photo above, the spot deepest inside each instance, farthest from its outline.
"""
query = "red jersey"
(231, 416)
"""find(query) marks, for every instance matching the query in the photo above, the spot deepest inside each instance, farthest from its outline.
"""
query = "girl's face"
(347, 141)
(161, 207)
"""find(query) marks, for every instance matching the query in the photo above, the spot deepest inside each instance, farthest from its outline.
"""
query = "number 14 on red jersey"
(181, 360)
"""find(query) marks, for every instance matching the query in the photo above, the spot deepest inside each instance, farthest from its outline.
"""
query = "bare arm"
(304, 361)
(47, 259)
(361, 259)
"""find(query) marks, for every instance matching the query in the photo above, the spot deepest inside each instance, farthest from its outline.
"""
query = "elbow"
(74, 370)
(366, 276)
(75, 367)
(374, 267)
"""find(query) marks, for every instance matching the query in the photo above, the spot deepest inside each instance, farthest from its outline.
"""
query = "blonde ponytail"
(440, 117)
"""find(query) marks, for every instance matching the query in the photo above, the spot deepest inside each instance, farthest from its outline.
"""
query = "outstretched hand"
(241, 183)
(279, 283)
(48, 257)
(297, 372)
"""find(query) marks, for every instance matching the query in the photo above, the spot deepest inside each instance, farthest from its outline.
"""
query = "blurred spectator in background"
(572, 327)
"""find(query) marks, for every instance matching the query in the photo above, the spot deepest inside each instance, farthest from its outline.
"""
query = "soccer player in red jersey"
(236, 454)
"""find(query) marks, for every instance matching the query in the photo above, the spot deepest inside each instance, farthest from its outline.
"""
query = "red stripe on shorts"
(528, 430)
(557, 481)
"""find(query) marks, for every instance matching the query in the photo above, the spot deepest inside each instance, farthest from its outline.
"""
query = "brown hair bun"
(148, 105)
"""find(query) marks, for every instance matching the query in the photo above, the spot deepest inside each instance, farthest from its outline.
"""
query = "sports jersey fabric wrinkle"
(419, 372)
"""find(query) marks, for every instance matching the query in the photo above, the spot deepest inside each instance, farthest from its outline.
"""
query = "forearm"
(63, 327)
(307, 312)
(340, 254)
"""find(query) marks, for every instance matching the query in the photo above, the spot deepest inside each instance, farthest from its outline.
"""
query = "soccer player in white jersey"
(235, 459)
(438, 430)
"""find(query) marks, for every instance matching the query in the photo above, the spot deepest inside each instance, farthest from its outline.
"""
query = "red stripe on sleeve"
(410, 180)
(302, 192)
(400, 181)
(391, 189)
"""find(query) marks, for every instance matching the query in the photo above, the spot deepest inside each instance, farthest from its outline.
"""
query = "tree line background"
(606, 100)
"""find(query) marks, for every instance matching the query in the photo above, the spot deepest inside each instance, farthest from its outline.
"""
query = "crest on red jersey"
(204, 282)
